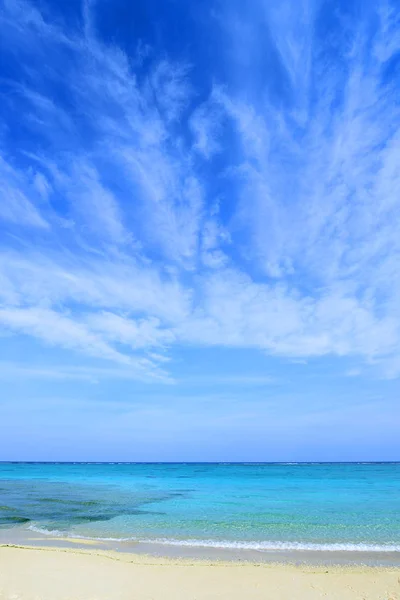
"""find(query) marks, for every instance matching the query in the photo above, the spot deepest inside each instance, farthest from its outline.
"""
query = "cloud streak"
(142, 211)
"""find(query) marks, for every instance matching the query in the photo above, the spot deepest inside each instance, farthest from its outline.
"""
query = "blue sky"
(199, 230)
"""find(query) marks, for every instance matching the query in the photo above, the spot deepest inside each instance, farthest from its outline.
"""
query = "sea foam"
(267, 546)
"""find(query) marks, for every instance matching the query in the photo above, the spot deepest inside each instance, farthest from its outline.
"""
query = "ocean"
(264, 507)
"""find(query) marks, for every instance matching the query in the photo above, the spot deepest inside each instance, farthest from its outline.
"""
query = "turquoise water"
(260, 506)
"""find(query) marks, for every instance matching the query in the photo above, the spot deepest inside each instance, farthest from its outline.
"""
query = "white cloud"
(206, 125)
(213, 237)
(142, 333)
(42, 185)
(15, 205)
(170, 85)
(301, 259)
(95, 281)
(57, 329)
(12, 370)
(238, 312)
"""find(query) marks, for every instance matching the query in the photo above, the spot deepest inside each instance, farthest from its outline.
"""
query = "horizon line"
(186, 462)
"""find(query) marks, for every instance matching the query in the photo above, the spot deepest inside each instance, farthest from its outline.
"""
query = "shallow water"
(267, 507)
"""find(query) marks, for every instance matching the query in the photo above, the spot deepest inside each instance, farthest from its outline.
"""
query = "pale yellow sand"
(58, 574)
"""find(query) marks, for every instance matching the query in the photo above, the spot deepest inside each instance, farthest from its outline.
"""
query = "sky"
(199, 230)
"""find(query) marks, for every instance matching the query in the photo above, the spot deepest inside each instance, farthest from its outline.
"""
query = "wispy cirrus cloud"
(141, 212)
(16, 206)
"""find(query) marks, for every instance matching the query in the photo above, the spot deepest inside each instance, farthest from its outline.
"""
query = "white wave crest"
(233, 545)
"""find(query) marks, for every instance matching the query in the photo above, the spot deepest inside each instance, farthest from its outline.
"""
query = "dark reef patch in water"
(91, 518)
(67, 501)
(13, 520)
(146, 512)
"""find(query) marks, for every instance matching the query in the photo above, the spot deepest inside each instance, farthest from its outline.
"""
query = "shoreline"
(18, 537)
(61, 573)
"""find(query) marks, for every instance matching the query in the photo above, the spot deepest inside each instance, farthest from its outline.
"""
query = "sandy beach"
(90, 574)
